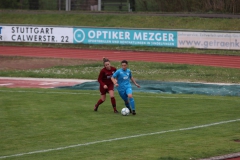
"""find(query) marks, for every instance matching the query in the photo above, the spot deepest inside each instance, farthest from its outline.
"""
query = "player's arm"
(133, 80)
(100, 78)
(114, 80)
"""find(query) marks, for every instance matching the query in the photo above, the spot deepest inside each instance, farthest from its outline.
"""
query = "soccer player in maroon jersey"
(106, 84)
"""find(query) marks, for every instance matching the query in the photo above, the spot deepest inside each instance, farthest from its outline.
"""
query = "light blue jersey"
(124, 86)
(123, 78)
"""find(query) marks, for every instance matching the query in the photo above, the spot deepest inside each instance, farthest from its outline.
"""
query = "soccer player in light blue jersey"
(121, 79)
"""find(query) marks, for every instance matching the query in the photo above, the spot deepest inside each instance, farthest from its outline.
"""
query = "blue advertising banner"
(125, 37)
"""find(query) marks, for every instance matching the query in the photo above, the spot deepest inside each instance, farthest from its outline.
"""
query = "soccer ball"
(125, 111)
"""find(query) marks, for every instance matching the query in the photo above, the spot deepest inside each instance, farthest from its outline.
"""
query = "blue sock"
(127, 104)
(132, 103)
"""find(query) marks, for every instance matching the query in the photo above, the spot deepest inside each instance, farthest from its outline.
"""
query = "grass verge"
(140, 70)
(122, 20)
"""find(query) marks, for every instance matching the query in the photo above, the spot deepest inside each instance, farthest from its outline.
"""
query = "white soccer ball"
(125, 111)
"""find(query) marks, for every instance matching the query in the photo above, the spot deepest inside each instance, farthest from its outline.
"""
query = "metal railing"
(75, 5)
(163, 6)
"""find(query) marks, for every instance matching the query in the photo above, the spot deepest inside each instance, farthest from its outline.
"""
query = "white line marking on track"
(48, 83)
(22, 91)
(6, 84)
(120, 138)
(47, 79)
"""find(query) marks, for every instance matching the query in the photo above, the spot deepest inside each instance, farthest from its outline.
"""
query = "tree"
(9, 4)
(33, 4)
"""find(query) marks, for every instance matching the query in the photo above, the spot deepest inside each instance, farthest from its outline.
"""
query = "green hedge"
(9, 4)
(222, 6)
(206, 6)
(29, 4)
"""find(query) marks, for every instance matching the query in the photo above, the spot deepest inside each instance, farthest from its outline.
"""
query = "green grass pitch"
(39, 119)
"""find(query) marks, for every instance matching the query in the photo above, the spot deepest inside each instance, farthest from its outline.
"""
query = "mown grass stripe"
(94, 94)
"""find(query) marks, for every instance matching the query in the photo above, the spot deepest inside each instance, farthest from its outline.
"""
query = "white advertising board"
(209, 40)
(36, 34)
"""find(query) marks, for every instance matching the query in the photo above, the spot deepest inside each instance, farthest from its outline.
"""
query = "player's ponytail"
(105, 60)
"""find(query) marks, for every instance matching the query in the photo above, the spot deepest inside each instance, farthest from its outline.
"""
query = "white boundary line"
(117, 139)
(75, 93)
(47, 79)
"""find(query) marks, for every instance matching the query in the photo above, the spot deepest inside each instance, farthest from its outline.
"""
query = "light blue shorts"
(124, 93)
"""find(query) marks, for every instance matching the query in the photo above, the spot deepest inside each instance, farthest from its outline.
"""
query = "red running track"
(114, 55)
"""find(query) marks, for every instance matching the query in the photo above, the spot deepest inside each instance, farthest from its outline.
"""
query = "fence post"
(129, 6)
(68, 5)
(59, 5)
(99, 5)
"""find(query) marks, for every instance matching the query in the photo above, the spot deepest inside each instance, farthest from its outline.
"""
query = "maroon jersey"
(105, 75)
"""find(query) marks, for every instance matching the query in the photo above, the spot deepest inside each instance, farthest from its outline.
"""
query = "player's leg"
(102, 99)
(111, 94)
(131, 100)
(113, 101)
(128, 105)
(124, 96)
(127, 102)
